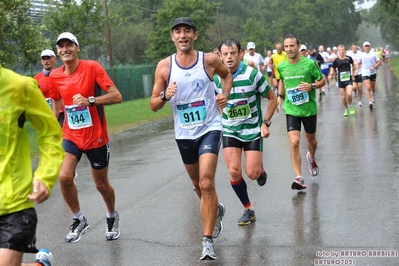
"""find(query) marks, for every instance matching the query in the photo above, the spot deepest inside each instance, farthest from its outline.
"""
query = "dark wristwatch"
(92, 100)
(279, 95)
(313, 86)
(163, 96)
(267, 122)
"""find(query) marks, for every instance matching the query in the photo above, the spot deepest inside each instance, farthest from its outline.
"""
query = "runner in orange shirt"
(48, 59)
(85, 130)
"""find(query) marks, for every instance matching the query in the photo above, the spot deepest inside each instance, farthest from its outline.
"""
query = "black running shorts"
(18, 231)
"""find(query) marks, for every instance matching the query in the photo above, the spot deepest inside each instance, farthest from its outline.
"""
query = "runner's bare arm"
(160, 84)
(214, 65)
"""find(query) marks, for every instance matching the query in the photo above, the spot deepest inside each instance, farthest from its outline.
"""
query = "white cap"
(366, 43)
(335, 48)
(328, 49)
(47, 52)
(251, 45)
(68, 36)
(303, 47)
(274, 51)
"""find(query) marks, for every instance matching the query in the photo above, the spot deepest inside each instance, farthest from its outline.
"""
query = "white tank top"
(194, 105)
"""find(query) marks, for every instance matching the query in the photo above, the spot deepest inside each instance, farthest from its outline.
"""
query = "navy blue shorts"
(98, 157)
(18, 231)
(343, 84)
(254, 145)
(192, 149)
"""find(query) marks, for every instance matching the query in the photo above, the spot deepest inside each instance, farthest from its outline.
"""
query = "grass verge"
(395, 65)
(120, 117)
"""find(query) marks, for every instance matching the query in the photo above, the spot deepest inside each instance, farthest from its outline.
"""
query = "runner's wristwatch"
(92, 100)
(267, 122)
(163, 96)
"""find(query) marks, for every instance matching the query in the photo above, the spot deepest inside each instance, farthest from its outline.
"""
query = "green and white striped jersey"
(242, 117)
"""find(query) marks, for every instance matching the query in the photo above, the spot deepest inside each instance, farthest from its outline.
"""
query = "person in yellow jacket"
(21, 100)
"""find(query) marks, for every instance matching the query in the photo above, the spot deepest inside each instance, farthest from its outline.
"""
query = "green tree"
(130, 25)
(200, 11)
(384, 15)
(85, 20)
(19, 42)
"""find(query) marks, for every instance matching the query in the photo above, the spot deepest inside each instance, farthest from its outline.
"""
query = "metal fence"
(133, 81)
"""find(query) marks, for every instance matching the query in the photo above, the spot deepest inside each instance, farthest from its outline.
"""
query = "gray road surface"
(350, 210)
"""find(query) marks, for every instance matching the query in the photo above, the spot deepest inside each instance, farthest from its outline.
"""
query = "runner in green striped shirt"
(244, 127)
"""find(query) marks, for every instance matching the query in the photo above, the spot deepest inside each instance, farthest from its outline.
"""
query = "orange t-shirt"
(86, 127)
(45, 86)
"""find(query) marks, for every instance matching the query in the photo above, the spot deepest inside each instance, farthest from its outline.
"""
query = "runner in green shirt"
(300, 77)
(244, 126)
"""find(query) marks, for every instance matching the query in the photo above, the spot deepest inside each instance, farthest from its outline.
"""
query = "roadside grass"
(395, 65)
(120, 117)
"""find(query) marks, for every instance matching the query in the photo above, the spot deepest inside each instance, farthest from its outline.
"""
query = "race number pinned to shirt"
(192, 114)
(78, 116)
(296, 96)
(49, 102)
(345, 76)
(238, 110)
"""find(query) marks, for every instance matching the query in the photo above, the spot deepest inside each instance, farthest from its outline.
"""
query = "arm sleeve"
(49, 135)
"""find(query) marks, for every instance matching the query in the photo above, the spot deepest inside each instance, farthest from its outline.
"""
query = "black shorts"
(61, 118)
(371, 77)
(98, 157)
(18, 231)
(192, 149)
(358, 79)
(343, 84)
(269, 74)
(309, 123)
(254, 145)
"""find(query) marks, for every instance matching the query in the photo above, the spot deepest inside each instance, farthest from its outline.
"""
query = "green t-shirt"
(297, 103)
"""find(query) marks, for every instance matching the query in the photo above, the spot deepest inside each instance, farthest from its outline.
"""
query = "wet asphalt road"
(349, 211)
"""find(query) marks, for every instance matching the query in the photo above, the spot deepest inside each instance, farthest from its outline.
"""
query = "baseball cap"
(47, 52)
(366, 43)
(303, 47)
(183, 21)
(311, 47)
(328, 49)
(335, 48)
(68, 36)
(251, 45)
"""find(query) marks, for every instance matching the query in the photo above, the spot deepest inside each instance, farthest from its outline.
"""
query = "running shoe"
(351, 110)
(218, 229)
(323, 91)
(313, 167)
(247, 218)
(320, 97)
(371, 106)
(298, 183)
(44, 257)
(372, 97)
(112, 232)
(263, 178)
(355, 94)
(207, 249)
(346, 112)
(359, 103)
(77, 229)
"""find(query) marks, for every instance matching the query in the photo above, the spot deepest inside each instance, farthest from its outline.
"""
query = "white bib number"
(238, 110)
(192, 114)
(78, 116)
(345, 76)
(297, 97)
